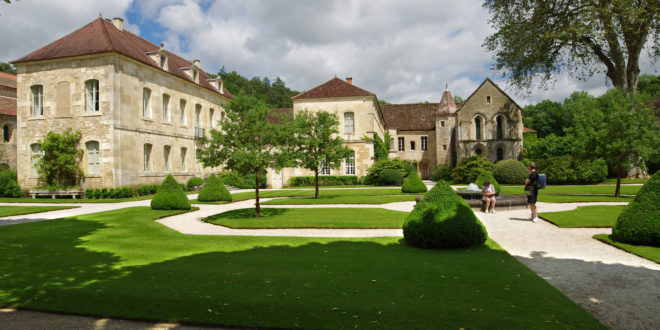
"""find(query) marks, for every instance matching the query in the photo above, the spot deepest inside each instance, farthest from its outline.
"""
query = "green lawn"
(6, 211)
(583, 198)
(322, 193)
(625, 181)
(647, 252)
(67, 200)
(341, 200)
(585, 216)
(310, 218)
(123, 264)
(574, 189)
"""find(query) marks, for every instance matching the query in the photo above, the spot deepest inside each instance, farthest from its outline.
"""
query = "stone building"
(488, 123)
(8, 118)
(140, 108)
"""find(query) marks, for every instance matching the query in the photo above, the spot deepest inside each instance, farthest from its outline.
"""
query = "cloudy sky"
(403, 51)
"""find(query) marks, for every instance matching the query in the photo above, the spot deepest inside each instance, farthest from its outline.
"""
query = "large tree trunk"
(316, 183)
(257, 210)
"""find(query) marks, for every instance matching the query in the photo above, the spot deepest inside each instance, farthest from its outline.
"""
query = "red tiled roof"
(410, 117)
(447, 103)
(335, 87)
(7, 106)
(528, 130)
(101, 36)
(276, 114)
(8, 79)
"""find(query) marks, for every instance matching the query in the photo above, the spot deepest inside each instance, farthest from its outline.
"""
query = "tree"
(316, 143)
(458, 99)
(61, 158)
(248, 142)
(546, 117)
(381, 146)
(540, 38)
(649, 87)
(7, 67)
(619, 129)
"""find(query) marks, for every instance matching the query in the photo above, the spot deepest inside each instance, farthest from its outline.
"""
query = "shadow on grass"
(338, 284)
(247, 213)
(620, 296)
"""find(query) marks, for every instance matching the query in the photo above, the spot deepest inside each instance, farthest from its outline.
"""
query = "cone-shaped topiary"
(487, 176)
(170, 196)
(639, 223)
(214, 190)
(442, 219)
(413, 184)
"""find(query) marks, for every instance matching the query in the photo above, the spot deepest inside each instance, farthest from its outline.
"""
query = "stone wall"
(425, 159)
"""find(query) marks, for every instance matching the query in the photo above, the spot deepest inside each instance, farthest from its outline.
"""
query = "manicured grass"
(583, 198)
(123, 264)
(341, 200)
(66, 200)
(6, 211)
(310, 218)
(574, 189)
(345, 186)
(624, 181)
(647, 252)
(585, 216)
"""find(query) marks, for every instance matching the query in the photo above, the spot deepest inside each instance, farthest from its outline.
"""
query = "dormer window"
(160, 58)
(163, 61)
(217, 84)
(192, 72)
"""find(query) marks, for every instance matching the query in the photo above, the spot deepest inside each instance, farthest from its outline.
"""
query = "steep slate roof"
(7, 106)
(410, 117)
(276, 114)
(101, 36)
(447, 104)
(8, 80)
(333, 88)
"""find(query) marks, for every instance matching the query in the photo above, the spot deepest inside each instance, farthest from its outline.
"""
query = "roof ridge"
(105, 33)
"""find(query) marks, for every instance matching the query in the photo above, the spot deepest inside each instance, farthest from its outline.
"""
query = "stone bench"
(73, 193)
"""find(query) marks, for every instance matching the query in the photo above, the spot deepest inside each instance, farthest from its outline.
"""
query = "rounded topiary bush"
(194, 182)
(441, 172)
(390, 177)
(442, 219)
(374, 171)
(639, 223)
(469, 168)
(413, 184)
(170, 196)
(487, 176)
(510, 171)
(214, 190)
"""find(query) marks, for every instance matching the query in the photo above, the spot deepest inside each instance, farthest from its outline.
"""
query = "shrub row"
(569, 170)
(8, 184)
(441, 172)
(325, 180)
(110, 193)
(236, 180)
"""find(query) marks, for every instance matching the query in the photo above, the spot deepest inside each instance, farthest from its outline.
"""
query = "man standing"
(532, 190)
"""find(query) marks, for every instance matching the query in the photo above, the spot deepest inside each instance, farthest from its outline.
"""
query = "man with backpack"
(532, 190)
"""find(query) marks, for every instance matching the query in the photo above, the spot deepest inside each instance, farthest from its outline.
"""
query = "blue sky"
(404, 51)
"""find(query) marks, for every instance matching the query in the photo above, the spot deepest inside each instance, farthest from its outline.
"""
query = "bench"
(73, 193)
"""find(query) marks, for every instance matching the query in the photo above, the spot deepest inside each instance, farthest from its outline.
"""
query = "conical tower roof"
(447, 104)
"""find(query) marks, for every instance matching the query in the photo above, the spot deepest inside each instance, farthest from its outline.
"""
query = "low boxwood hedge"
(441, 172)
(639, 223)
(442, 219)
(170, 196)
(325, 180)
(389, 177)
(194, 182)
(413, 184)
(214, 190)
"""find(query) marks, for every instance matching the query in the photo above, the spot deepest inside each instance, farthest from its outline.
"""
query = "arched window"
(37, 92)
(500, 154)
(183, 159)
(349, 123)
(211, 111)
(198, 112)
(478, 151)
(93, 164)
(166, 159)
(6, 133)
(92, 96)
(147, 157)
(477, 127)
(198, 162)
(182, 112)
(166, 108)
(36, 153)
(500, 128)
(146, 99)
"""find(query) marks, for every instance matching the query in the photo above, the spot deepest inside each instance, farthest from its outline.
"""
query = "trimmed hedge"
(109, 193)
(441, 172)
(236, 180)
(469, 169)
(389, 177)
(8, 185)
(325, 180)
(214, 190)
(194, 182)
(373, 173)
(569, 170)
(639, 223)
(487, 176)
(413, 184)
(442, 219)
(510, 171)
(170, 196)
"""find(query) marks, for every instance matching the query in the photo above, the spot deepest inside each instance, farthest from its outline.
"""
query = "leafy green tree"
(275, 94)
(540, 38)
(552, 146)
(381, 146)
(248, 143)
(649, 87)
(546, 117)
(620, 129)
(61, 158)
(458, 99)
(316, 143)
(7, 67)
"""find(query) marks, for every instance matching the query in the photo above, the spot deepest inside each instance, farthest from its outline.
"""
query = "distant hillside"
(275, 94)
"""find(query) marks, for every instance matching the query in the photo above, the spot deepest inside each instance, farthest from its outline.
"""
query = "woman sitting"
(488, 191)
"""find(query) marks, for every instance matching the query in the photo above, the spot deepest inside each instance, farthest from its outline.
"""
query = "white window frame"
(92, 96)
(424, 143)
(349, 123)
(37, 93)
(323, 168)
(146, 102)
(402, 143)
(93, 158)
(350, 165)
(166, 108)
(147, 157)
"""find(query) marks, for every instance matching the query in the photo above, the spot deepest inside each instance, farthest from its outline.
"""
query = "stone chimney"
(196, 63)
(349, 80)
(118, 22)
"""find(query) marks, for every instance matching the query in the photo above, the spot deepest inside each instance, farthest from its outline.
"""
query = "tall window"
(146, 99)
(500, 127)
(183, 159)
(392, 143)
(350, 165)
(198, 112)
(92, 95)
(36, 154)
(488, 99)
(166, 159)
(147, 158)
(402, 144)
(93, 164)
(349, 123)
(198, 163)
(166, 108)
(442, 123)
(182, 112)
(325, 170)
(6, 133)
(500, 154)
(37, 100)
(477, 126)
(412, 145)
(162, 61)
(211, 111)
(425, 143)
